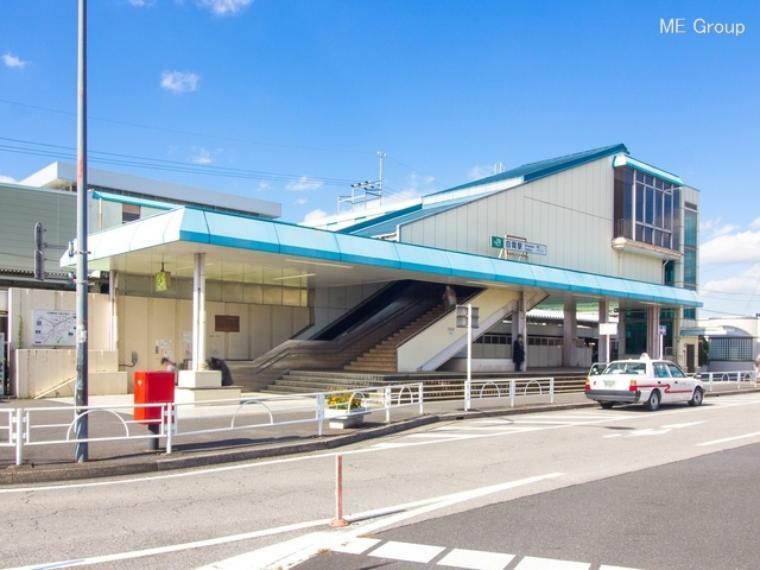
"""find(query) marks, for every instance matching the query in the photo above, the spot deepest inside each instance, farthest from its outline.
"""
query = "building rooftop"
(62, 175)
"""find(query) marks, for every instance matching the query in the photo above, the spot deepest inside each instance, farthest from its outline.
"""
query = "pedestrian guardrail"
(739, 377)
(23, 428)
(508, 388)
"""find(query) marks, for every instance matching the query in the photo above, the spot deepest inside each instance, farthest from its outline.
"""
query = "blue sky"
(310, 89)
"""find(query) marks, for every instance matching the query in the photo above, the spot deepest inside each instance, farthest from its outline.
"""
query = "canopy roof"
(242, 247)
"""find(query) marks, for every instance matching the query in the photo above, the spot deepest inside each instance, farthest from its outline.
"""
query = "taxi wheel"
(696, 399)
(607, 405)
(653, 403)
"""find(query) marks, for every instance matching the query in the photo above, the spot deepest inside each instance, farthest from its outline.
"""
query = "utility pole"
(80, 391)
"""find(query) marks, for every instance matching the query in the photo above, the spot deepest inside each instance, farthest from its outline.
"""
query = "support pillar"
(621, 333)
(603, 352)
(113, 288)
(520, 326)
(653, 326)
(199, 312)
(569, 334)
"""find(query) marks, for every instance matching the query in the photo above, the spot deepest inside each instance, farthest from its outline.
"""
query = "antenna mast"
(367, 191)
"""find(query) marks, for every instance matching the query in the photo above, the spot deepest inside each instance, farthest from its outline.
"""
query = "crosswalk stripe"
(407, 551)
(534, 563)
(356, 546)
(476, 559)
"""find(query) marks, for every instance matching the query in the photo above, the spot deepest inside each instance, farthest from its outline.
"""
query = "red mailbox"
(152, 387)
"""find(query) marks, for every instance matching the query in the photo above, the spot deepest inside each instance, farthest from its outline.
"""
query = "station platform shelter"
(557, 251)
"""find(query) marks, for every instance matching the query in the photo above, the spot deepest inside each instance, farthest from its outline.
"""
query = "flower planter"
(340, 419)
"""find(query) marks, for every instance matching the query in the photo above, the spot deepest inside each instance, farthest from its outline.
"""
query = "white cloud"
(304, 184)
(314, 216)
(755, 225)
(202, 156)
(224, 7)
(13, 61)
(264, 185)
(142, 3)
(7, 179)
(715, 227)
(301, 201)
(742, 283)
(479, 171)
(180, 81)
(741, 247)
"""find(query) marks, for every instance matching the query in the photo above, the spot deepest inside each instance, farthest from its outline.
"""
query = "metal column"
(604, 340)
(80, 388)
(199, 312)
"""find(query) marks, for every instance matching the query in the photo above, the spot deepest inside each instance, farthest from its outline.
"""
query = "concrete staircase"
(381, 358)
(302, 381)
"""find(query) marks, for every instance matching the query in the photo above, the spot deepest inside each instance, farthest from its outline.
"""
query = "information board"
(53, 328)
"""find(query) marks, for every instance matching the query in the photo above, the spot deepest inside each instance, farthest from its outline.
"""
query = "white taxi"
(643, 381)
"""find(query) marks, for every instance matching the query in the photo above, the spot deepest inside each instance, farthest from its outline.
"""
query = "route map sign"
(53, 328)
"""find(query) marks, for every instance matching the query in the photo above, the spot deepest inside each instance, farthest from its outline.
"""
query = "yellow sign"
(162, 281)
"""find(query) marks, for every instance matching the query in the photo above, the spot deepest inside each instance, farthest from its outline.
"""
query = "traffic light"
(39, 251)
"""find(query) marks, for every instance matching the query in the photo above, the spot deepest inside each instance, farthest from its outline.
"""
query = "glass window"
(129, 213)
(639, 202)
(649, 208)
(661, 370)
(668, 211)
(638, 368)
(675, 371)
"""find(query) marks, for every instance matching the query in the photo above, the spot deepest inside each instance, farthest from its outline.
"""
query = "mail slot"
(152, 387)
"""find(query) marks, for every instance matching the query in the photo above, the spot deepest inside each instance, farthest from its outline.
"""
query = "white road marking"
(727, 439)
(372, 449)
(684, 425)
(433, 435)
(173, 547)
(608, 567)
(407, 551)
(610, 436)
(476, 559)
(357, 545)
(534, 563)
(319, 541)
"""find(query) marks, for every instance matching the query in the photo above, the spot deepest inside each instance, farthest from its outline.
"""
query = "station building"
(550, 250)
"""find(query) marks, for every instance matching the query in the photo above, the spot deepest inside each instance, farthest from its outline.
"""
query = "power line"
(34, 148)
(188, 133)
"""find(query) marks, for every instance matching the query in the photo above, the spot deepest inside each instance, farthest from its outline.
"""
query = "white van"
(646, 381)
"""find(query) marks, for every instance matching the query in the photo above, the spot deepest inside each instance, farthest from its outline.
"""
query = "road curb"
(26, 474)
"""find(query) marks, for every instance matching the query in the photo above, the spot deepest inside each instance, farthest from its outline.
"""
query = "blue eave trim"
(133, 201)
(213, 228)
(622, 160)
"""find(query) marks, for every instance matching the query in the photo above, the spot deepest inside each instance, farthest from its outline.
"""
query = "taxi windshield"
(626, 368)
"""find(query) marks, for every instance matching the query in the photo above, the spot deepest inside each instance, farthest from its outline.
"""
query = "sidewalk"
(122, 457)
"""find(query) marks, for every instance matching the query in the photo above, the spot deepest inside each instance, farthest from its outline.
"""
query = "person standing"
(518, 353)
(449, 297)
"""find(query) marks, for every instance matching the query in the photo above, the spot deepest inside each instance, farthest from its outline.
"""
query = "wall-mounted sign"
(53, 328)
(517, 245)
(226, 323)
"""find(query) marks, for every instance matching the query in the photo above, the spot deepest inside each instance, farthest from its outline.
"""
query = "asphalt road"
(275, 511)
(696, 513)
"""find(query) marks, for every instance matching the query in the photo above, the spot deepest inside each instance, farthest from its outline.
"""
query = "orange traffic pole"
(338, 521)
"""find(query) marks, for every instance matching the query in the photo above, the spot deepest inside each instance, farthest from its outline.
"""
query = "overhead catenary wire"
(48, 150)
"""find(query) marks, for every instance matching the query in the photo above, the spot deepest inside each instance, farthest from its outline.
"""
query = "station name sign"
(518, 245)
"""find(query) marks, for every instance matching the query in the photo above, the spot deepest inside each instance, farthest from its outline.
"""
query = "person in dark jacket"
(221, 365)
(518, 353)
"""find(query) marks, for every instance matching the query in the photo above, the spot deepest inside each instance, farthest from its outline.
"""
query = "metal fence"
(188, 422)
(741, 378)
(55, 425)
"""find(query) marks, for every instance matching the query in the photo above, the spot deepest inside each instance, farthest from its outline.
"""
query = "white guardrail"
(739, 377)
(23, 428)
(36, 426)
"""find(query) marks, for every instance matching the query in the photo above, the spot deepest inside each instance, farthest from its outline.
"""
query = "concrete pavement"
(205, 516)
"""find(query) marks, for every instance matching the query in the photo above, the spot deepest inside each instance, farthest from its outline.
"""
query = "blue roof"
(228, 230)
(388, 223)
(534, 170)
